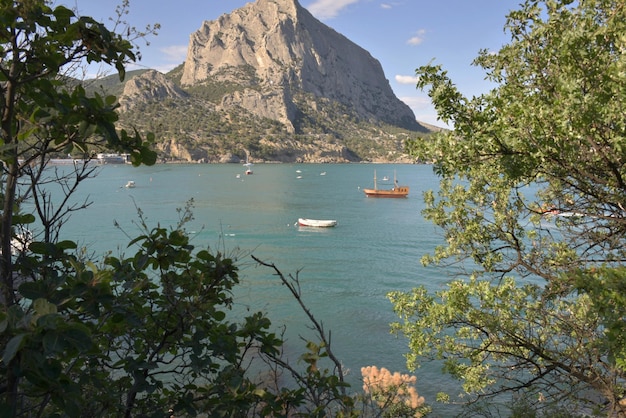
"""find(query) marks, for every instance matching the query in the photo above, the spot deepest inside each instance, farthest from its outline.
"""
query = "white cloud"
(418, 38)
(391, 5)
(165, 60)
(416, 102)
(327, 9)
(406, 79)
(175, 53)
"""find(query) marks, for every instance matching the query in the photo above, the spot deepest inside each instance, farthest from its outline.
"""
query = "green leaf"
(78, 337)
(23, 219)
(33, 290)
(43, 307)
(67, 245)
(63, 15)
(52, 342)
(4, 322)
(148, 157)
(14, 345)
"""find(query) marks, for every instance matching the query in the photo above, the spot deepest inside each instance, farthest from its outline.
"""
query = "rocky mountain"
(149, 86)
(291, 50)
(271, 82)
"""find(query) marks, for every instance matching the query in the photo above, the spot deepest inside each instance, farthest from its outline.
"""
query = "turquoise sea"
(345, 272)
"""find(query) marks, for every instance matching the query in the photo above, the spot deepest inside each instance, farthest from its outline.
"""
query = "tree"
(532, 206)
(42, 113)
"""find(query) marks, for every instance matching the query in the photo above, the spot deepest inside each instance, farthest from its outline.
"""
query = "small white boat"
(130, 184)
(317, 223)
(248, 165)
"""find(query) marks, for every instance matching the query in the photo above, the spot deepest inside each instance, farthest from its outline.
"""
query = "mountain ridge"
(271, 81)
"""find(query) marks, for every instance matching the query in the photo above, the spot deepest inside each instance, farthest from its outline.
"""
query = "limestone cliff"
(271, 83)
(276, 49)
(149, 86)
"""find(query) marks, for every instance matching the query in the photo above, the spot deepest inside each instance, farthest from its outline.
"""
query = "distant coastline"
(102, 159)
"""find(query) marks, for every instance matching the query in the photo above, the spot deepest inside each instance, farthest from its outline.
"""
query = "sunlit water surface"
(345, 272)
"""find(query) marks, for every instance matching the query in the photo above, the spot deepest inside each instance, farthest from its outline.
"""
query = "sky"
(401, 34)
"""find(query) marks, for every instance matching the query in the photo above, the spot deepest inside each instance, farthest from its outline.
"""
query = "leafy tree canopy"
(532, 205)
(41, 113)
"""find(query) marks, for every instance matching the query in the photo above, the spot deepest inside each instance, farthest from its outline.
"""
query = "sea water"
(345, 272)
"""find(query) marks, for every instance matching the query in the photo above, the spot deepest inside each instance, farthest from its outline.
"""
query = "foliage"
(42, 115)
(93, 341)
(395, 394)
(531, 205)
(141, 335)
(323, 389)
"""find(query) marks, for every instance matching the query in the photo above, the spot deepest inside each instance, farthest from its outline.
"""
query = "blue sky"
(401, 34)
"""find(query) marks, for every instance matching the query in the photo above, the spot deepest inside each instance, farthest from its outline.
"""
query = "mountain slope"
(288, 49)
(272, 82)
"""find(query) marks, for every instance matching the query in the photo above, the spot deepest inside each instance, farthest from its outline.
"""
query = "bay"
(345, 272)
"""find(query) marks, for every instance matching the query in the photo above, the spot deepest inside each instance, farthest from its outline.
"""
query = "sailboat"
(396, 191)
(248, 165)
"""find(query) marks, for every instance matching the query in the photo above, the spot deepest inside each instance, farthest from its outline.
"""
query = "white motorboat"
(317, 223)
